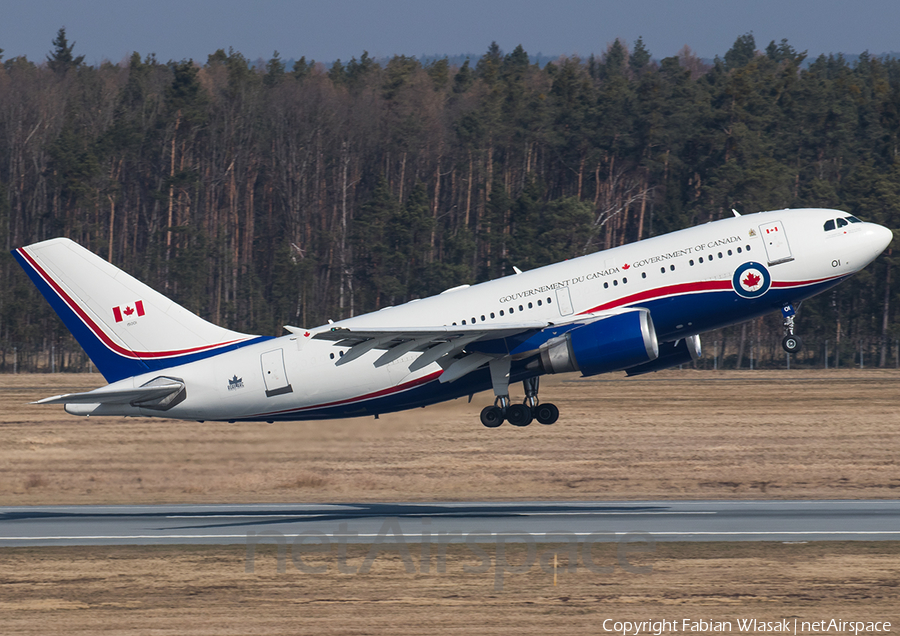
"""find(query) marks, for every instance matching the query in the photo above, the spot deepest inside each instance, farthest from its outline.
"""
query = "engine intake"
(611, 344)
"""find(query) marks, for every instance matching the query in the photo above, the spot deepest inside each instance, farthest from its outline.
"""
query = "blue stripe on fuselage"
(697, 312)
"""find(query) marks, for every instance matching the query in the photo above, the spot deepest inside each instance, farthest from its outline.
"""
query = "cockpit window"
(841, 222)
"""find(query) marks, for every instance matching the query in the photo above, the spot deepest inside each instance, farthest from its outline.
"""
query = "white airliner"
(638, 308)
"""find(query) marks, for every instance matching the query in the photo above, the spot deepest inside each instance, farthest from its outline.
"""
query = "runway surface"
(475, 522)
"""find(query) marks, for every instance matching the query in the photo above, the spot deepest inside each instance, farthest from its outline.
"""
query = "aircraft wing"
(482, 343)
(105, 395)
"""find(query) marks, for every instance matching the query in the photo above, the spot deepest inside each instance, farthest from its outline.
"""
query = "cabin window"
(662, 270)
(331, 355)
(549, 302)
(729, 252)
(473, 320)
(454, 324)
(482, 318)
(615, 283)
(501, 312)
(539, 303)
(691, 262)
(720, 254)
(643, 274)
(521, 308)
(701, 259)
(624, 280)
(605, 285)
(747, 247)
(530, 306)
(739, 250)
(342, 354)
(492, 316)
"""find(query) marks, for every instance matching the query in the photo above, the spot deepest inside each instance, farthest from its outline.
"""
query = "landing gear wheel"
(518, 415)
(546, 413)
(792, 344)
(491, 416)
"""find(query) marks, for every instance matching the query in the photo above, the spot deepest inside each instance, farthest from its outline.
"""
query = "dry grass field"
(759, 434)
(677, 434)
(206, 590)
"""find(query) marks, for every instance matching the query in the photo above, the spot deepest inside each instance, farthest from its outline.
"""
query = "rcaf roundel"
(751, 280)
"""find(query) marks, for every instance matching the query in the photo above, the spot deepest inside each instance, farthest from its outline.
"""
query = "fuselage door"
(274, 374)
(564, 301)
(777, 248)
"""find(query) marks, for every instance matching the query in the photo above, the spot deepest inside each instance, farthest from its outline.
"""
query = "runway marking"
(439, 535)
(248, 516)
(436, 514)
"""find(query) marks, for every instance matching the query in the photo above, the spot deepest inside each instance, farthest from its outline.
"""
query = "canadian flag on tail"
(125, 312)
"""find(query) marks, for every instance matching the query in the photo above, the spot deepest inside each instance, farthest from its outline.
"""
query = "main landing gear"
(790, 342)
(516, 414)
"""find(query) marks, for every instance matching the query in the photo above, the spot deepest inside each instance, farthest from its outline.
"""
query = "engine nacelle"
(611, 344)
(671, 354)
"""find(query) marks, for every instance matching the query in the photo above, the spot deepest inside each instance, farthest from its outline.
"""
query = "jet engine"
(670, 354)
(613, 343)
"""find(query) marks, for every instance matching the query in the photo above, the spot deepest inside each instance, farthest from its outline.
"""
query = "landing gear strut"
(790, 343)
(516, 414)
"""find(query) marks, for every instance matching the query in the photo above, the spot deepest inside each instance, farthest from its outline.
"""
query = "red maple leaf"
(752, 280)
(306, 335)
(128, 311)
(626, 266)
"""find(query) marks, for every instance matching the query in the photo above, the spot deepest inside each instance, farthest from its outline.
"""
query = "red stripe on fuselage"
(98, 331)
(802, 283)
(662, 292)
(693, 288)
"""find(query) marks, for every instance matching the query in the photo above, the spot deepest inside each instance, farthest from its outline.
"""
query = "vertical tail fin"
(125, 327)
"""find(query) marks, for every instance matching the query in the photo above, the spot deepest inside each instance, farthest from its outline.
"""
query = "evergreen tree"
(741, 53)
(274, 70)
(640, 57)
(61, 60)
(301, 68)
(463, 78)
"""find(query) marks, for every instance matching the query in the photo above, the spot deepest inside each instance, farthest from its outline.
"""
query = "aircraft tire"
(546, 413)
(792, 344)
(518, 415)
(491, 416)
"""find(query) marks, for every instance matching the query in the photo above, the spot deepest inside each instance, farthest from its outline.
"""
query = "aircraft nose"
(881, 237)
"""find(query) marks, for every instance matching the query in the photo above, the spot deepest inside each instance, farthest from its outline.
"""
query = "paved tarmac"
(475, 522)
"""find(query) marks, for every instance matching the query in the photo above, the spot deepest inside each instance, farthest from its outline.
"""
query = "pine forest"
(265, 193)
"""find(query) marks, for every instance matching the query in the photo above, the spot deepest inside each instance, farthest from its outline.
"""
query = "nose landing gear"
(516, 414)
(790, 342)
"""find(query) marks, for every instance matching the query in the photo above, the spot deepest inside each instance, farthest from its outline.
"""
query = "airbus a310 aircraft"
(637, 308)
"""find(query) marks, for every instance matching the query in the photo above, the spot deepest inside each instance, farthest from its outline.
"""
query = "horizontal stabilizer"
(105, 395)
